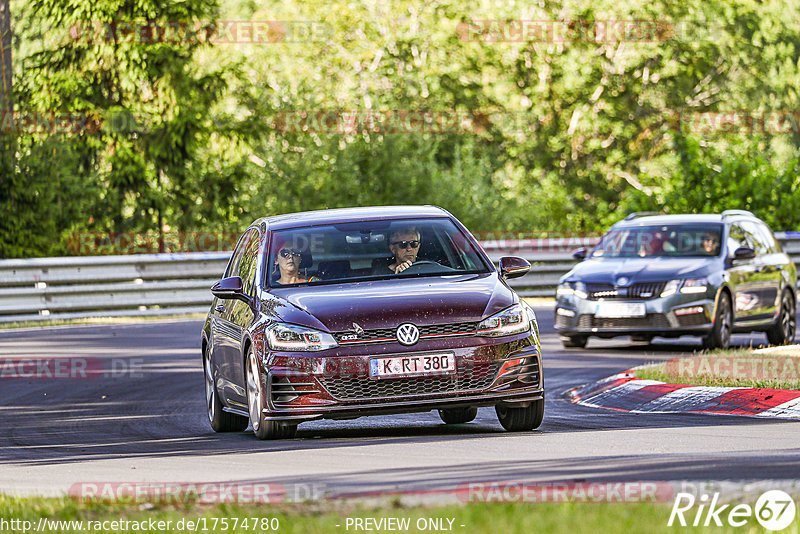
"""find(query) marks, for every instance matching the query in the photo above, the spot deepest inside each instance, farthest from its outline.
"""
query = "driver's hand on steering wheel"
(399, 268)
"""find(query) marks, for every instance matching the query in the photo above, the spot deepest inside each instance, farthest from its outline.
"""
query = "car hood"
(387, 303)
(609, 270)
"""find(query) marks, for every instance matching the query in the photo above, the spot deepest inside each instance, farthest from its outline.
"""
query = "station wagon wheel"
(263, 428)
(720, 336)
(574, 341)
(783, 331)
(220, 420)
(520, 419)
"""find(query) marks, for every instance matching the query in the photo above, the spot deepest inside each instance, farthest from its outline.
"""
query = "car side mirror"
(513, 267)
(579, 254)
(744, 253)
(230, 288)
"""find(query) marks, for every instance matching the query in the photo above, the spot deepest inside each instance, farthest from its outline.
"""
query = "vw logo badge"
(622, 281)
(407, 334)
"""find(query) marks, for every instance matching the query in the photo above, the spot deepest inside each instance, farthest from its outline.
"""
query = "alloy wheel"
(253, 391)
(210, 389)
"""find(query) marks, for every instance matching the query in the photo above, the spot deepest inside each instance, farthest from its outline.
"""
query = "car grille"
(388, 335)
(479, 377)
(651, 320)
(693, 319)
(642, 290)
(562, 321)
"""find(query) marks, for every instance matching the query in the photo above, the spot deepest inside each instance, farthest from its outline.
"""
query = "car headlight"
(289, 337)
(580, 290)
(671, 288)
(695, 285)
(513, 320)
(531, 318)
(564, 289)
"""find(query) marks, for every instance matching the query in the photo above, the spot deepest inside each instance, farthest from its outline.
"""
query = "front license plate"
(413, 365)
(620, 309)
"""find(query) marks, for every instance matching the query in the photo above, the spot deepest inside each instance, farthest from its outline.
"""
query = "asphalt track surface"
(150, 426)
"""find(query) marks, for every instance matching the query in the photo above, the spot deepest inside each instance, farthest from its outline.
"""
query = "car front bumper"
(339, 386)
(671, 316)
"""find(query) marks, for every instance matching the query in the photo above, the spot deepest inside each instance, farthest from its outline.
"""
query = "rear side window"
(768, 237)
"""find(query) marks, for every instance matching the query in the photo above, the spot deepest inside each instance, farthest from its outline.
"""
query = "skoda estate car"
(673, 275)
(344, 313)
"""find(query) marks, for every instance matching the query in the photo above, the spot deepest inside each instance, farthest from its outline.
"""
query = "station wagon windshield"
(370, 250)
(660, 241)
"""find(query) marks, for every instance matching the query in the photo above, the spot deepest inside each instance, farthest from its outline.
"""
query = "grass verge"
(775, 369)
(500, 518)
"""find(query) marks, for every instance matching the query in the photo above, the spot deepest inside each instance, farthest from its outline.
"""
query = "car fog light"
(690, 311)
(565, 312)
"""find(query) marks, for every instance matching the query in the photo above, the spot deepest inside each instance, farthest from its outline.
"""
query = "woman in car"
(287, 264)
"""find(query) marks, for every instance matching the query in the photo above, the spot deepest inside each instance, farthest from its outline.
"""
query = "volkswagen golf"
(344, 313)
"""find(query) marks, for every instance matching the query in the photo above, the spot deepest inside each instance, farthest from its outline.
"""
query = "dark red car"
(343, 313)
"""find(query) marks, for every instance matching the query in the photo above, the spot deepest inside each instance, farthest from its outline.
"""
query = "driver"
(404, 244)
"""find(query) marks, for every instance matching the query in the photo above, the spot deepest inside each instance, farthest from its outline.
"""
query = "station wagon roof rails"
(638, 214)
(728, 213)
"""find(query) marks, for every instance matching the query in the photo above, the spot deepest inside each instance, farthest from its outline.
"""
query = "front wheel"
(521, 419)
(220, 420)
(263, 428)
(782, 332)
(720, 336)
(456, 416)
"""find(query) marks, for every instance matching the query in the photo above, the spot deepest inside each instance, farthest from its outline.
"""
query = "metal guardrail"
(157, 284)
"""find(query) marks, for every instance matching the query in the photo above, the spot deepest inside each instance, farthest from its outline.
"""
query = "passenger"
(287, 263)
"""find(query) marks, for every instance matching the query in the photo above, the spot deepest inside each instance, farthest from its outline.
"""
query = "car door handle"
(220, 308)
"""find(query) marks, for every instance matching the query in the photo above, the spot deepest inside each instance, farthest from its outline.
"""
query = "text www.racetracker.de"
(200, 524)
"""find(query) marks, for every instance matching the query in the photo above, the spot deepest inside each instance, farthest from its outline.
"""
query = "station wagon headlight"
(289, 337)
(695, 285)
(572, 288)
(513, 320)
(671, 288)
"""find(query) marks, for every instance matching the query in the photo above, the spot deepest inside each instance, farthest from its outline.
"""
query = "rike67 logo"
(774, 510)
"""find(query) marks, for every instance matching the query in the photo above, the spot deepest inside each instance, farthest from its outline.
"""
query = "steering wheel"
(427, 266)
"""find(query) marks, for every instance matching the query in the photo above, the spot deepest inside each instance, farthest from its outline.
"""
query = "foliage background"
(189, 141)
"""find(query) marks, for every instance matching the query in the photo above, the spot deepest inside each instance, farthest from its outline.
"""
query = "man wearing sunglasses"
(404, 244)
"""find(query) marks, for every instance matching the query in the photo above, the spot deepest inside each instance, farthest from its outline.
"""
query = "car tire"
(262, 428)
(783, 331)
(574, 341)
(521, 419)
(221, 421)
(457, 416)
(720, 336)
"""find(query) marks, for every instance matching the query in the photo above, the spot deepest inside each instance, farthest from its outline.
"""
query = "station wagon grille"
(642, 290)
(652, 320)
(478, 377)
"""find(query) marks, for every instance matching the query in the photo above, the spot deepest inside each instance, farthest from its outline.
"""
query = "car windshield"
(682, 240)
(370, 250)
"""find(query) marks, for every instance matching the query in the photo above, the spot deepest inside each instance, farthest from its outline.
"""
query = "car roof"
(655, 220)
(342, 215)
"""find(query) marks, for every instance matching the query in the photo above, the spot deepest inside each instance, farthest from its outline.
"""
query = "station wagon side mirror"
(744, 253)
(513, 267)
(230, 288)
(579, 254)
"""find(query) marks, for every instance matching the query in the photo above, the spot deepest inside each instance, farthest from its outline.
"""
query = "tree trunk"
(6, 103)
